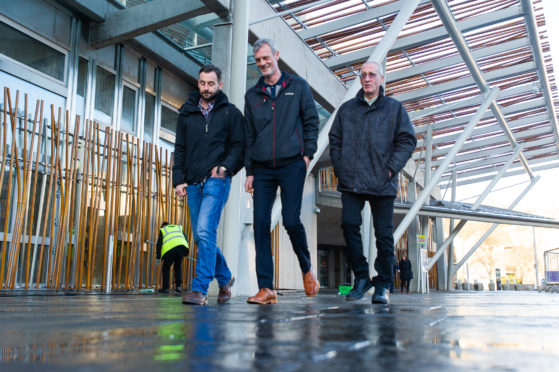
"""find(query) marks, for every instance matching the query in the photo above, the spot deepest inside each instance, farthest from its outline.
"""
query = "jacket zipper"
(273, 133)
(300, 142)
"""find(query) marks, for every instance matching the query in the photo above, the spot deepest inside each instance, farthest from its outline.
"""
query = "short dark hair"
(211, 68)
(164, 224)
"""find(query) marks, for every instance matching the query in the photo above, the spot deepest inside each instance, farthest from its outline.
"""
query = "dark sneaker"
(195, 298)
(163, 291)
(178, 289)
(360, 287)
(380, 296)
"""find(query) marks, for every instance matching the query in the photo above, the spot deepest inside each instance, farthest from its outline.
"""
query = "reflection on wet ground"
(462, 331)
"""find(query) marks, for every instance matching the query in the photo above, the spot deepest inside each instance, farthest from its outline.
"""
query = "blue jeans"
(205, 203)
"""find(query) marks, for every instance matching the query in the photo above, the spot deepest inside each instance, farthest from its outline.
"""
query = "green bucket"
(344, 289)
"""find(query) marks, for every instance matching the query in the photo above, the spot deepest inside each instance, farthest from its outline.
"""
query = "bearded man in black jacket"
(371, 140)
(209, 150)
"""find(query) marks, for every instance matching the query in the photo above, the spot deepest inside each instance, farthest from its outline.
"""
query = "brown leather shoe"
(311, 284)
(224, 294)
(263, 297)
(195, 298)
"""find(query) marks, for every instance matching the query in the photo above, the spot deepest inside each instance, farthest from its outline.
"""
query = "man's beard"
(210, 98)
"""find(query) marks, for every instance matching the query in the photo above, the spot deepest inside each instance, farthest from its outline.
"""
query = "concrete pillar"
(442, 262)
(413, 250)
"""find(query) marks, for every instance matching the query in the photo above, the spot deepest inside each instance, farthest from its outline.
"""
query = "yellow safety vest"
(172, 237)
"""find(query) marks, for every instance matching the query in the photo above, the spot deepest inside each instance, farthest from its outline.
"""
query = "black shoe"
(163, 291)
(380, 296)
(361, 286)
(178, 289)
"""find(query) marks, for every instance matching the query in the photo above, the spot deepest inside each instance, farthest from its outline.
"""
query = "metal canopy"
(426, 71)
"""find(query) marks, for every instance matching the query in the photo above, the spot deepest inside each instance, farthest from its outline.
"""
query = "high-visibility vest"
(172, 237)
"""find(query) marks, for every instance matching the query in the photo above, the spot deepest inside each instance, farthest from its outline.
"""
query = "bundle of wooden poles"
(81, 207)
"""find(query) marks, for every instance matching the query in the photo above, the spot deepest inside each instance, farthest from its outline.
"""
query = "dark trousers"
(382, 210)
(290, 179)
(405, 283)
(174, 256)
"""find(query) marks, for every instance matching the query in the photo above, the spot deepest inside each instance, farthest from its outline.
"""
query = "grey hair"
(380, 69)
(264, 41)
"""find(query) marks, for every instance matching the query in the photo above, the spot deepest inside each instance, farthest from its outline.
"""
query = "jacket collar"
(284, 81)
(191, 104)
(361, 98)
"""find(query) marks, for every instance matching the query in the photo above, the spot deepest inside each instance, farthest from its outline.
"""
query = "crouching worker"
(172, 246)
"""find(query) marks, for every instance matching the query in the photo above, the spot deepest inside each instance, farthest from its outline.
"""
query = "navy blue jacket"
(203, 144)
(367, 141)
(281, 130)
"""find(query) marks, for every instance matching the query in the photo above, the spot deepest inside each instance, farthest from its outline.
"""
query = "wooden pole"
(117, 205)
(50, 192)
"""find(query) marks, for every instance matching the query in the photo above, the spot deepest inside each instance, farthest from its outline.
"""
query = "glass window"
(104, 91)
(149, 117)
(128, 110)
(169, 119)
(82, 77)
(23, 48)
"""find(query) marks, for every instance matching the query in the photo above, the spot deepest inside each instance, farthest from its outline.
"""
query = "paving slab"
(456, 331)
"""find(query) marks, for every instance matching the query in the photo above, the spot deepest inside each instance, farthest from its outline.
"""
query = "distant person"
(406, 273)
(209, 151)
(171, 247)
(281, 132)
(371, 140)
(395, 272)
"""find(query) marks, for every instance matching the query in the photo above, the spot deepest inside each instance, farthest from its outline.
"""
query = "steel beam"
(457, 37)
(456, 267)
(134, 21)
(533, 34)
(429, 36)
(489, 98)
(480, 199)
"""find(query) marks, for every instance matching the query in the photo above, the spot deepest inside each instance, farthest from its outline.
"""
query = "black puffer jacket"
(367, 141)
(281, 130)
(201, 144)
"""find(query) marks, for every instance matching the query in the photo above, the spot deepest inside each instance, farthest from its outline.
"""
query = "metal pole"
(451, 246)
(475, 206)
(489, 97)
(535, 259)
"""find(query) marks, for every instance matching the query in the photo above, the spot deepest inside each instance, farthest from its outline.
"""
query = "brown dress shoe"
(224, 294)
(195, 298)
(311, 284)
(263, 297)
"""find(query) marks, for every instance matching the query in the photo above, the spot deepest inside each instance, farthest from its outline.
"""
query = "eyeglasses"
(370, 75)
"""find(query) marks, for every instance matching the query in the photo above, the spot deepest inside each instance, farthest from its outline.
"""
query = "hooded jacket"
(280, 130)
(202, 144)
(368, 141)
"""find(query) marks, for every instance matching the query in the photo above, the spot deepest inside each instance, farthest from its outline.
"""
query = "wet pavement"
(459, 331)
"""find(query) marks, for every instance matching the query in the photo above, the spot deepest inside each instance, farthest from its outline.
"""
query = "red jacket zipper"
(273, 133)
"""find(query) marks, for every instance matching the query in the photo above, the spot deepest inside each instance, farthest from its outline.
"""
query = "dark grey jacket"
(281, 130)
(367, 141)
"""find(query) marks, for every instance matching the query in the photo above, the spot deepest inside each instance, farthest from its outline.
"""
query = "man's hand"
(218, 172)
(180, 190)
(389, 174)
(307, 162)
(248, 183)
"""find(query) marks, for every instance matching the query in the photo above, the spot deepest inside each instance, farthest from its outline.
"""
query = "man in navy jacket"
(281, 132)
(371, 140)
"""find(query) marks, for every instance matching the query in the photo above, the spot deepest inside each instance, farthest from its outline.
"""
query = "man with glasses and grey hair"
(371, 140)
(281, 133)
